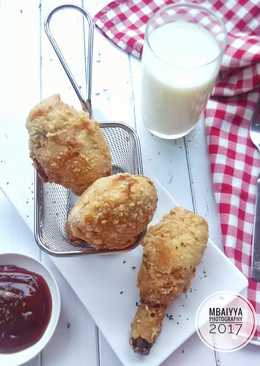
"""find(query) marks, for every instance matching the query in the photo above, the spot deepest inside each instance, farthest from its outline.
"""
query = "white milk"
(178, 76)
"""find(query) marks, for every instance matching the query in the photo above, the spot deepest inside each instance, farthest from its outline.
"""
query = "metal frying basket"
(52, 201)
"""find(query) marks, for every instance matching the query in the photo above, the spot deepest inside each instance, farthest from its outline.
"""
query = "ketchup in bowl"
(25, 308)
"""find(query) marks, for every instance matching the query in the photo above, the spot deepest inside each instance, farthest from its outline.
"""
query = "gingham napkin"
(235, 163)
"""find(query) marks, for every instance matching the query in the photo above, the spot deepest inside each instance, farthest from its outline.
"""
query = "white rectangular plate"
(107, 287)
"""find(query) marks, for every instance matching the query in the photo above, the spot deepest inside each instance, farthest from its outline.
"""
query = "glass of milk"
(183, 48)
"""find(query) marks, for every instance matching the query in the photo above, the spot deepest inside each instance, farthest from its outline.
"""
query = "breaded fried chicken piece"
(172, 250)
(66, 146)
(113, 212)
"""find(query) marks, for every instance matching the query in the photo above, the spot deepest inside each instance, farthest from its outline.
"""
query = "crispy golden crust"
(172, 250)
(113, 212)
(66, 146)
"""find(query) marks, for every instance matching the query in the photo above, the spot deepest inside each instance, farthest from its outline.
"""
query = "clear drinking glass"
(183, 48)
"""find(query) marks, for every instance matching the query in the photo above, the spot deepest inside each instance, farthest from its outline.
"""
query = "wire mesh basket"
(52, 201)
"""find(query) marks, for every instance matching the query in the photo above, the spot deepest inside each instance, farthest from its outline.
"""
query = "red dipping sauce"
(25, 308)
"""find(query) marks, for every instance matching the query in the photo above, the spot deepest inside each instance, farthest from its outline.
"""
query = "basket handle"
(86, 104)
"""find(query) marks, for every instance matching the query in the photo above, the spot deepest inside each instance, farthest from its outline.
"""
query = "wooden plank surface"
(30, 71)
(20, 89)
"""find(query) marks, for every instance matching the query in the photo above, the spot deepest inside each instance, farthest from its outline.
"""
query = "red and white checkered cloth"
(235, 163)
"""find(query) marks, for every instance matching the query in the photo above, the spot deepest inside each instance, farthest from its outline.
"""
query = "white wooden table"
(29, 72)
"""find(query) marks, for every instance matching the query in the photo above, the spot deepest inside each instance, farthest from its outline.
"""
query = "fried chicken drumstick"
(66, 146)
(113, 211)
(172, 250)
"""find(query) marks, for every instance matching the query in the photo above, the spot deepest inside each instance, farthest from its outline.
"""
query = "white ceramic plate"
(107, 287)
(31, 264)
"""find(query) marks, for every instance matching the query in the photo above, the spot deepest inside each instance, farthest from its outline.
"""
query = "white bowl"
(31, 264)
